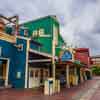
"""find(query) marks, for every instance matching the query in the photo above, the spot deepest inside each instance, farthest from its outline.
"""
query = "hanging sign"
(67, 55)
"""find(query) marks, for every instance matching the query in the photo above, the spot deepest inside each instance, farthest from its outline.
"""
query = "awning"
(71, 63)
(39, 57)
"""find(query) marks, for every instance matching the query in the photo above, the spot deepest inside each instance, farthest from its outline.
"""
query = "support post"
(91, 73)
(81, 77)
(85, 75)
(67, 76)
(76, 76)
(53, 60)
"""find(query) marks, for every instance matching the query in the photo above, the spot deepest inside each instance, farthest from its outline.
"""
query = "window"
(41, 32)
(34, 34)
(1, 69)
(37, 73)
(31, 73)
(0, 50)
(38, 33)
(25, 32)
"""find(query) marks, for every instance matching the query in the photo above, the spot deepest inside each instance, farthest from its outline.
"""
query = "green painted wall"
(47, 24)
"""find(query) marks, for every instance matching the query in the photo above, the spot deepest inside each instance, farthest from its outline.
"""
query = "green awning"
(78, 63)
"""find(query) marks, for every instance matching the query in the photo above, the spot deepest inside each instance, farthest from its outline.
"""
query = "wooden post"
(81, 77)
(85, 75)
(67, 76)
(76, 76)
(53, 59)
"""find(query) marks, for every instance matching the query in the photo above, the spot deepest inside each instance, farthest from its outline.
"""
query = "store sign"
(67, 55)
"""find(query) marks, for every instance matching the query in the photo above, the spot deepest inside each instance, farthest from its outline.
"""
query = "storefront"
(39, 66)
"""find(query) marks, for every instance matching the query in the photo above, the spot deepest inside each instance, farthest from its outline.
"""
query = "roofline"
(42, 53)
(97, 56)
(82, 49)
(43, 17)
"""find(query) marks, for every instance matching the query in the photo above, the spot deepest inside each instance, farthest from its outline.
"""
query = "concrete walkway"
(85, 91)
(88, 94)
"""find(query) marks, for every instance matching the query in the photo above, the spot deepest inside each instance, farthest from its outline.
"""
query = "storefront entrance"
(37, 76)
(4, 68)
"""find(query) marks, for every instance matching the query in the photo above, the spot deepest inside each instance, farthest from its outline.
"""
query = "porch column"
(85, 75)
(26, 66)
(81, 76)
(91, 73)
(76, 76)
(7, 73)
(67, 76)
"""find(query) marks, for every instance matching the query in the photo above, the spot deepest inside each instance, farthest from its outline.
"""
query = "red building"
(82, 54)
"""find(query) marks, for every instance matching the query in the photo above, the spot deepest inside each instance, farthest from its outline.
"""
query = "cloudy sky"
(79, 19)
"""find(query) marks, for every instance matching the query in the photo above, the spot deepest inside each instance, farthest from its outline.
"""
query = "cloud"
(79, 19)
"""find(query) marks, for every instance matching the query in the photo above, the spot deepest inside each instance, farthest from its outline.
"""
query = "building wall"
(95, 61)
(47, 23)
(17, 62)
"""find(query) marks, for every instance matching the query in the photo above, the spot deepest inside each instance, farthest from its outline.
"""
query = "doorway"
(37, 77)
(4, 69)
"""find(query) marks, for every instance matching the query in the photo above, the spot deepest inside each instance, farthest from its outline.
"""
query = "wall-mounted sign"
(67, 55)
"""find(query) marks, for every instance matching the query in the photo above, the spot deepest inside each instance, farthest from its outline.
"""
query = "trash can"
(57, 86)
(48, 86)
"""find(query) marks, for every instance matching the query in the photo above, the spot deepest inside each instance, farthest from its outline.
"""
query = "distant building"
(95, 60)
(83, 55)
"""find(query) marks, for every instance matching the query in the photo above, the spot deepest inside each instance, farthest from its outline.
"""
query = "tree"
(96, 70)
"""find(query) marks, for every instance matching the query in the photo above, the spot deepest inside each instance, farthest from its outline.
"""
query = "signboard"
(67, 55)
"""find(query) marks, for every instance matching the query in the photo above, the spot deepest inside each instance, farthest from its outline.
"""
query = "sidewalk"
(96, 95)
(74, 93)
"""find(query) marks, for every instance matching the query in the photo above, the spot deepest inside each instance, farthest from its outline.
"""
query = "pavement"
(88, 90)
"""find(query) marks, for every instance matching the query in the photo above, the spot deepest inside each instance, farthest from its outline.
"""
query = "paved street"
(89, 90)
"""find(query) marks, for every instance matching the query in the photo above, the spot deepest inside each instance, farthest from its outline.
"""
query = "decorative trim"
(21, 37)
(39, 60)
(26, 70)
(7, 37)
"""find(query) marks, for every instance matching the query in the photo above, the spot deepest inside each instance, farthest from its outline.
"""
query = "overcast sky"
(79, 19)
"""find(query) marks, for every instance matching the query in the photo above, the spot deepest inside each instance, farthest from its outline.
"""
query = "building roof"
(82, 49)
(96, 56)
(41, 18)
(35, 42)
